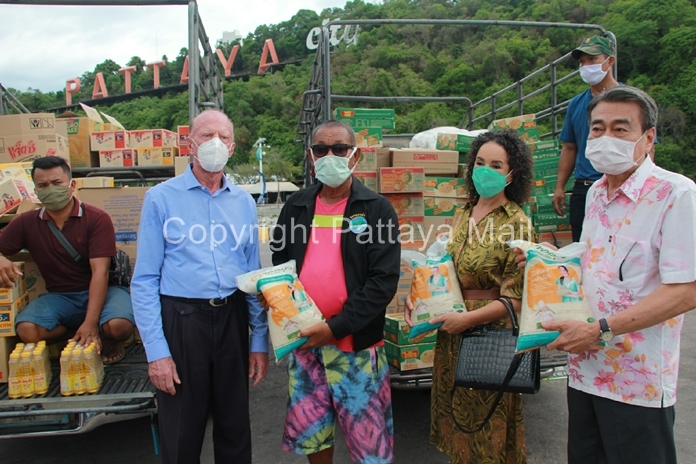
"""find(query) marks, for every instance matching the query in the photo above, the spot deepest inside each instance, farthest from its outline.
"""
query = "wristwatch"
(605, 332)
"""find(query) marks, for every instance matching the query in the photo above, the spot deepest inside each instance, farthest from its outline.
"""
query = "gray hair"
(207, 112)
(625, 93)
(336, 123)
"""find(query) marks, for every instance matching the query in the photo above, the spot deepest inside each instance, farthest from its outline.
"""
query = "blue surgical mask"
(333, 170)
(488, 182)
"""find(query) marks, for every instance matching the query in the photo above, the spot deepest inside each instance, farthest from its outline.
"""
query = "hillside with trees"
(656, 52)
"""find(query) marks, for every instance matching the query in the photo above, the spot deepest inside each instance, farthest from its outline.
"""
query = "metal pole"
(193, 60)
(554, 99)
(326, 72)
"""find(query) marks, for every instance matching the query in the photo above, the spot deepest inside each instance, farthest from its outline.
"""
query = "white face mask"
(610, 155)
(593, 74)
(213, 154)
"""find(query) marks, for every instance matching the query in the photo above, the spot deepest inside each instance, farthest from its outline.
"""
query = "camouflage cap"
(594, 45)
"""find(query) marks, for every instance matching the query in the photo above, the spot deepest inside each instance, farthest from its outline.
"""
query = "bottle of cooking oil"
(41, 381)
(98, 364)
(27, 374)
(15, 378)
(91, 370)
(77, 371)
(66, 384)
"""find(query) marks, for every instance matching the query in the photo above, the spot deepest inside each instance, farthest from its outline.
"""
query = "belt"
(214, 302)
(583, 182)
(490, 294)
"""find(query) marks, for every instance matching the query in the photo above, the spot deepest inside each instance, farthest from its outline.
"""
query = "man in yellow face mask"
(79, 303)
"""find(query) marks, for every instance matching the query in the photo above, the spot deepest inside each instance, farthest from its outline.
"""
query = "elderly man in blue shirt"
(197, 234)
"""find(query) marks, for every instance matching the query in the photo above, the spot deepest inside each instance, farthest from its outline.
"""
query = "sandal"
(114, 353)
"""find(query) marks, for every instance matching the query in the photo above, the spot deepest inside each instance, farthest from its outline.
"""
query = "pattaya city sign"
(269, 57)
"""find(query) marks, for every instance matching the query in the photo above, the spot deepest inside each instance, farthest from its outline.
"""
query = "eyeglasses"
(339, 149)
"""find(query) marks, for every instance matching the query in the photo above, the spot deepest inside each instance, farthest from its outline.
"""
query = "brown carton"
(19, 288)
(402, 180)
(157, 156)
(28, 124)
(153, 138)
(8, 314)
(406, 204)
(433, 161)
(117, 158)
(123, 205)
(19, 148)
(371, 159)
(369, 178)
(110, 140)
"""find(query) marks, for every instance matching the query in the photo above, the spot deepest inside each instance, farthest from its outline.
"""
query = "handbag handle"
(514, 365)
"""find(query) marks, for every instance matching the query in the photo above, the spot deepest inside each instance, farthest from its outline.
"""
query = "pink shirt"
(641, 237)
(322, 270)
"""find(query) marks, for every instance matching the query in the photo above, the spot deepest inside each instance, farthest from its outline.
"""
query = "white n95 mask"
(213, 154)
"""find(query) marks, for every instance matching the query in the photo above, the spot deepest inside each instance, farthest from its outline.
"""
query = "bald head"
(213, 116)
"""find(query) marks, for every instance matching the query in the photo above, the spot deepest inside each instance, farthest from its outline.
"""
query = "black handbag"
(487, 361)
(119, 268)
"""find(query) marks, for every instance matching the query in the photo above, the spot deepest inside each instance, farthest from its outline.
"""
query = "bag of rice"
(434, 288)
(552, 291)
(291, 309)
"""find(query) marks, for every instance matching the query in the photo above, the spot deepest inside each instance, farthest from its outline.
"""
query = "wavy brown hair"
(519, 159)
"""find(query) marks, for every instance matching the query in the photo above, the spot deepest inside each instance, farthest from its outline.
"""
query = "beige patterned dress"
(482, 262)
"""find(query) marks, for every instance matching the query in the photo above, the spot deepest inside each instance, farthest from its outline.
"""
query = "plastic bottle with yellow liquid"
(98, 363)
(14, 387)
(41, 381)
(27, 373)
(66, 384)
(91, 370)
(77, 371)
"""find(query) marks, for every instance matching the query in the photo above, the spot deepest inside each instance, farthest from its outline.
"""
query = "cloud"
(43, 46)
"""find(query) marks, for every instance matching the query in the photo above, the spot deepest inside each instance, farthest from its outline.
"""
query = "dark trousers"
(210, 346)
(577, 208)
(603, 431)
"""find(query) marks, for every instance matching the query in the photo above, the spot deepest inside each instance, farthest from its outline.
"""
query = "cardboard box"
(182, 140)
(369, 178)
(21, 148)
(359, 118)
(433, 161)
(10, 295)
(157, 156)
(117, 158)
(22, 173)
(543, 147)
(153, 138)
(7, 345)
(401, 180)
(111, 122)
(8, 314)
(439, 206)
(445, 187)
(79, 129)
(396, 331)
(550, 222)
(123, 205)
(369, 137)
(109, 140)
(12, 192)
(543, 204)
(410, 357)
(28, 124)
(525, 125)
(411, 231)
(92, 182)
(547, 185)
(371, 159)
(456, 142)
(182, 162)
(34, 281)
(557, 238)
(406, 204)
(24, 206)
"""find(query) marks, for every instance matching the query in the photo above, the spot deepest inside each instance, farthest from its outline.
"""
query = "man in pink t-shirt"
(344, 239)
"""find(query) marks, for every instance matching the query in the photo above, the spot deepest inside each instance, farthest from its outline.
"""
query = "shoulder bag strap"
(514, 364)
(64, 241)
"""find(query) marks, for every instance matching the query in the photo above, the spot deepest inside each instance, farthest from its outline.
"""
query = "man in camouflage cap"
(596, 56)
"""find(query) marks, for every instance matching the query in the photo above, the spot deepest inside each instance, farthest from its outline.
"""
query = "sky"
(43, 46)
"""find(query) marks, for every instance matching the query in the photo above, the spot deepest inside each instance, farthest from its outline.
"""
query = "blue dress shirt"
(193, 244)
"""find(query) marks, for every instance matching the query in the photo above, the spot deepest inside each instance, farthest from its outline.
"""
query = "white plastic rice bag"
(552, 291)
(291, 309)
(434, 288)
(428, 139)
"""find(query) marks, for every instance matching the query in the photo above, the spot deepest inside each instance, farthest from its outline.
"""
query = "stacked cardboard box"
(79, 129)
(12, 302)
(405, 354)
(24, 137)
(546, 156)
(367, 123)
(92, 182)
(525, 125)
(371, 160)
(16, 186)
(435, 162)
(182, 140)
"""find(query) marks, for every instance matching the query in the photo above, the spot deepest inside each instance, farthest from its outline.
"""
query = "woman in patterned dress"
(499, 180)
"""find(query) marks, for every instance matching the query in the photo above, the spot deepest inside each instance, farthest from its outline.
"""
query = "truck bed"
(126, 390)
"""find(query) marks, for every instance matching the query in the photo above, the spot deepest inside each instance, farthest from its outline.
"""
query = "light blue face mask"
(488, 182)
(333, 170)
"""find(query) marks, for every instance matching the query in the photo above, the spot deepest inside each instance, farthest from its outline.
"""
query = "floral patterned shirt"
(641, 237)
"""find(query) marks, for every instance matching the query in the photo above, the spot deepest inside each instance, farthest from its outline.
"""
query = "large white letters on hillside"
(314, 34)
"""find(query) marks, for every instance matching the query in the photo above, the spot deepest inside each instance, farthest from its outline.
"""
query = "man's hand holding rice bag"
(291, 309)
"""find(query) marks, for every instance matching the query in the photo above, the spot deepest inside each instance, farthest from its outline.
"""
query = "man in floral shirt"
(639, 276)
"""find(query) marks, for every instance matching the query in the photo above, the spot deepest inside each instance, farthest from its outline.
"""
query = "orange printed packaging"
(552, 291)
(291, 309)
(434, 288)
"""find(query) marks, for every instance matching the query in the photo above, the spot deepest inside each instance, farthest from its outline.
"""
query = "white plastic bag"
(291, 309)
(428, 139)
(434, 288)
(552, 291)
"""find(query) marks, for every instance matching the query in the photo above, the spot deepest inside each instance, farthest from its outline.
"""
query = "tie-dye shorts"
(328, 384)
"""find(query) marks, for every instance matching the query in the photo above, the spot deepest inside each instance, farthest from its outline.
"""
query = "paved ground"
(545, 417)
